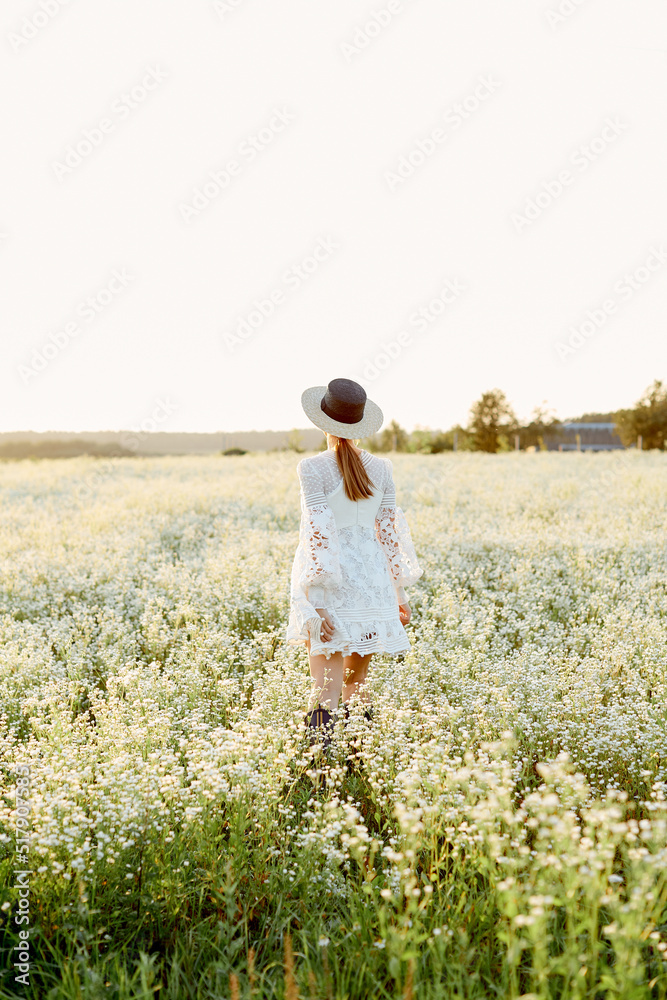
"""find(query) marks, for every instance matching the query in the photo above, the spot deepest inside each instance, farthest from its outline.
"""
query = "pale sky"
(432, 197)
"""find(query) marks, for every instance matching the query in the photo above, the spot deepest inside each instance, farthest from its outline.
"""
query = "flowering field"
(499, 830)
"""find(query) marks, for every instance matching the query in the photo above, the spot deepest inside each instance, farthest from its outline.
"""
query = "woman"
(354, 558)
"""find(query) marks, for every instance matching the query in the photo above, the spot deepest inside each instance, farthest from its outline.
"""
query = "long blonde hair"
(358, 484)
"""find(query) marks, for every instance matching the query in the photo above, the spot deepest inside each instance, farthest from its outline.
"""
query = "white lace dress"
(357, 572)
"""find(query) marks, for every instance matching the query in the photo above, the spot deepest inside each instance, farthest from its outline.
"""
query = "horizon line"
(285, 430)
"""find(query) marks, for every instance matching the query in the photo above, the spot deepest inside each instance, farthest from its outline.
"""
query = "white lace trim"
(350, 636)
(393, 534)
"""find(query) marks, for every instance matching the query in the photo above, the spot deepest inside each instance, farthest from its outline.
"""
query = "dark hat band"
(342, 410)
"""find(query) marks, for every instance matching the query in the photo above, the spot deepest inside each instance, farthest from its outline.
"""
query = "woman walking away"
(354, 558)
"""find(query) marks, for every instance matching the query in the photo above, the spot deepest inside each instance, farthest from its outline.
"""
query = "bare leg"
(355, 669)
(327, 675)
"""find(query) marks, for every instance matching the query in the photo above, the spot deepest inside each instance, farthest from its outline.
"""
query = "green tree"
(419, 442)
(371, 443)
(648, 418)
(424, 441)
(490, 417)
(543, 422)
(295, 440)
(393, 438)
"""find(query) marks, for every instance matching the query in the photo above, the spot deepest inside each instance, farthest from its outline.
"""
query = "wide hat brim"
(371, 421)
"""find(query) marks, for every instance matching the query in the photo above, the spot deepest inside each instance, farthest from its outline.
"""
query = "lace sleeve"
(317, 562)
(393, 533)
(318, 528)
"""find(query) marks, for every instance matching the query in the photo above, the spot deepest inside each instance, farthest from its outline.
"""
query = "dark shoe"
(320, 722)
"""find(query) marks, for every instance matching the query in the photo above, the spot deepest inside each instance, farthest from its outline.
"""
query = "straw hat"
(342, 408)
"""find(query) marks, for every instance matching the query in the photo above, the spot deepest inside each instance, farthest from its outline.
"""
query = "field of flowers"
(500, 828)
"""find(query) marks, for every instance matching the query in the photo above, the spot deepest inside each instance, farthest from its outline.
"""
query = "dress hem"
(351, 648)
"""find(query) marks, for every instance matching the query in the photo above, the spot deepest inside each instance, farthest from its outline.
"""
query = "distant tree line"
(493, 427)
